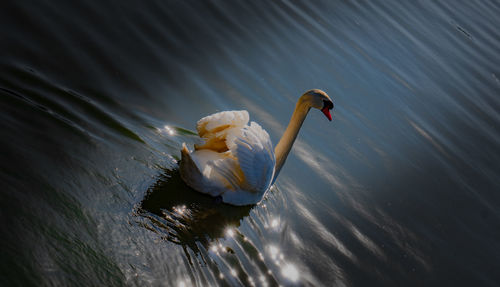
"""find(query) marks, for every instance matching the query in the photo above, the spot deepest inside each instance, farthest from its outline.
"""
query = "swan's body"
(237, 162)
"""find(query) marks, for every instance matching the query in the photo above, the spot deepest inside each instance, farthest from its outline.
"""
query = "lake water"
(402, 188)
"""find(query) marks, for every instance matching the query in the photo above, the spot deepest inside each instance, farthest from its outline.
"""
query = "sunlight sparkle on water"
(290, 272)
(273, 251)
(180, 209)
(230, 232)
(233, 272)
(274, 223)
(213, 248)
(250, 280)
(169, 130)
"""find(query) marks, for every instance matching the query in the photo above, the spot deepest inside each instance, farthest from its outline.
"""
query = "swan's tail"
(189, 171)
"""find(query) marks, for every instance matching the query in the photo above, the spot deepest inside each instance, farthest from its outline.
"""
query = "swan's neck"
(285, 144)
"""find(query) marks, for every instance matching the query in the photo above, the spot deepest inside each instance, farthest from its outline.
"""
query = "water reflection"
(211, 231)
(184, 216)
(288, 270)
(167, 130)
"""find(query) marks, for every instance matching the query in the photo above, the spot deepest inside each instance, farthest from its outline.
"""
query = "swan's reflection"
(197, 223)
(186, 217)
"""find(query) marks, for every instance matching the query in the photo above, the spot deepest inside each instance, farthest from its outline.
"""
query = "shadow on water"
(202, 226)
(184, 216)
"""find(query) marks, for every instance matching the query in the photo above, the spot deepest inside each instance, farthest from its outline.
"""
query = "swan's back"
(235, 162)
(215, 129)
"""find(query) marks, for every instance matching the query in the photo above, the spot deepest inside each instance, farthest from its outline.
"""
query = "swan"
(237, 163)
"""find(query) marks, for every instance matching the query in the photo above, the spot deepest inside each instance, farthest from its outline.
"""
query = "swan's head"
(318, 99)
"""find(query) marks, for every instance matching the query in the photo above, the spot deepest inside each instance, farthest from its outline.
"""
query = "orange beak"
(326, 111)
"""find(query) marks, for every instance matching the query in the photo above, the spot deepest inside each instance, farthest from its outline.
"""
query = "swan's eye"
(327, 105)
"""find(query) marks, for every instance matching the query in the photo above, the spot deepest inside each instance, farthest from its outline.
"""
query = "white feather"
(255, 155)
(232, 118)
(236, 162)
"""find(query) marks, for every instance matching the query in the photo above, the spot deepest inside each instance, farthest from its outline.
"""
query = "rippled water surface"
(400, 189)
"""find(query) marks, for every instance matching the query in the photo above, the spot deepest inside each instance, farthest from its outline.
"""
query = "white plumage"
(236, 161)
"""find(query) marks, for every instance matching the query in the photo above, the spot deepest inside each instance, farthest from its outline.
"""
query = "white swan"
(236, 162)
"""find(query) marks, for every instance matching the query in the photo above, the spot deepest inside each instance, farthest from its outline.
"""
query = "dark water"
(401, 189)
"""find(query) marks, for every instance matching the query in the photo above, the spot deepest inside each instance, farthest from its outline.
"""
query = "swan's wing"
(254, 152)
(215, 128)
(220, 121)
(210, 172)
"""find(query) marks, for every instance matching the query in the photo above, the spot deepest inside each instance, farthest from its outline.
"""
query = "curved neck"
(285, 144)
